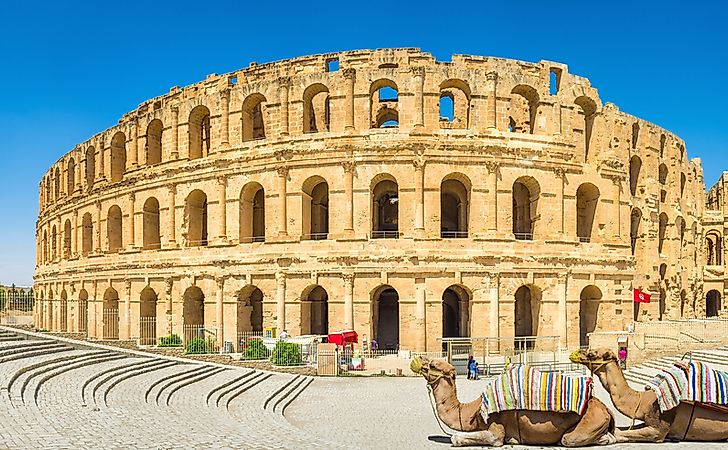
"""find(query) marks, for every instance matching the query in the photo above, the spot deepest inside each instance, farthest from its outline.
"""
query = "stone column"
(348, 300)
(492, 219)
(280, 301)
(419, 164)
(560, 173)
(219, 318)
(617, 197)
(225, 117)
(168, 298)
(419, 75)
(132, 213)
(222, 202)
(284, 83)
(60, 248)
(171, 242)
(349, 167)
(420, 314)
(350, 77)
(282, 201)
(563, 322)
(491, 109)
(97, 250)
(133, 156)
(557, 119)
(78, 178)
(127, 311)
(174, 153)
(75, 234)
(101, 170)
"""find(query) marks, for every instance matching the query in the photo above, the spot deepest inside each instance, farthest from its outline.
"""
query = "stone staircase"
(641, 374)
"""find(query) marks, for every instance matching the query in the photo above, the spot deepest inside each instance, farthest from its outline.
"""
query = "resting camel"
(687, 422)
(512, 427)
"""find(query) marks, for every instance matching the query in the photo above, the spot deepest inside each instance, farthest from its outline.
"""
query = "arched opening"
(253, 117)
(114, 229)
(67, 239)
(63, 312)
(316, 108)
(314, 311)
(57, 184)
(87, 234)
(683, 302)
(447, 107)
(713, 248)
(54, 243)
(385, 209)
(82, 311)
(454, 210)
(199, 132)
(680, 229)
(249, 311)
(150, 225)
(661, 232)
(682, 184)
(662, 145)
(634, 228)
(71, 177)
(383, 101)
(589, 301)
(635, 134)
(663, 304)
(110, 313)
(196, 218)
(586, 112)
(315, 209)
(118, 157)
(148, 316)
(455, 312)
(662, 178)
(526, 192)
(587, 199)
(252, 213)
(385, 322)
(712, 303)
(454, 104)
(90, 167)
(154, 142)
(45, 246)
(49, 305)
(523, 109)
(527, 309)
(635, 165)
(193, 314)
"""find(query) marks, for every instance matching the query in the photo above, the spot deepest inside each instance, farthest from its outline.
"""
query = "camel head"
(593, 358)
(432, 369)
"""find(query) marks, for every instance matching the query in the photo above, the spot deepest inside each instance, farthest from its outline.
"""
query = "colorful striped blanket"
(693, 382)
(523, 387)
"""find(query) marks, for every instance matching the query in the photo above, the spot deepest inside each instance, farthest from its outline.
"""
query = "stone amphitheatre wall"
(329, 192)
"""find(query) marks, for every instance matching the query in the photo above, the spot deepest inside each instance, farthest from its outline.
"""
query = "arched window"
(90, 167)
(454, 104)
(118, 157)
(680, 229)
(635, 165)
(662, 178)
(67, 239)
(249, 312)
(527, 310)
(523, 109)
(110, 312)
(63, 306)
(54, 241)
(683, 302)
(634, 229)
(586, 111)
(314, 311)
(385, 318)
(147, 317)
(662, 145)
(682, 185)
(635, 134)
(315, 209)
(712, 303)
(154, 142)
(82, 311)
(114, 229)
(252, 213)
(57, 184)
(589, 301)
(526, 192)
(455, 312)
(87, 234)
(661, 232)
(199, 132)
(587, 199)
(150, 230)
(71, 176)
(196, 218)
(454, 211)
(383, 101)
(316, 110)
(254, 117)
(385, 208)
(45, 247)
(193, 314)
(713, 248)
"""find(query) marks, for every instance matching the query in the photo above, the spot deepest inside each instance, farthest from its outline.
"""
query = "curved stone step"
(20, 372)
(287, 392)
(295, 395)
(226, 385)
(251, 384)
(47, 366)
(29, 348)
(279, 390)
(205, 371)
(159, 364)
(108, 371)
(188, 382)
(165, 381)
(110, 375)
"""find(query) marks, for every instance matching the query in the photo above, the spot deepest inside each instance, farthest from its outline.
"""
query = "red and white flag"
(641, 297)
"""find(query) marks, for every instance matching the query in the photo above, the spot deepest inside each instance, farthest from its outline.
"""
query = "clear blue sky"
(71, 69)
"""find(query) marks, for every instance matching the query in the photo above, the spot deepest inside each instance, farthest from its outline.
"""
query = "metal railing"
(148, 330)
(82, 316)
(251, 239)
(244, 337)
(585, 239)
(110, 323)
(385, 234)
(523, 236)
(315, 237)
(64, 316)
(453, 234)
(16, 308)
(198, 339)
(494, 353)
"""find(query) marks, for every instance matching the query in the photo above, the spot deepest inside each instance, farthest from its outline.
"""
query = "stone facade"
(381, 191)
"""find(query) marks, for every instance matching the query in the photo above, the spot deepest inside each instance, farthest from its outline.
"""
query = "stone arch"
(148, 316)
(680, 231)
(49, 303)
(662, 174)
(683, 181)
(523, 109)
(153, 147)
(635, 134)
(249, 311)
(193, 307)
(385, 317)
(252, 213)
(253, 117)
(587, 199)
(713, 248)
(87, 234)
(456, 311)
(63, 312)
(634, 228)
(663, 303)
(196, 219)
(150, 225)
(110, 313)
(527, 308)
(526, 192)
(712, 303)
(314, 310)
(45, 246)
(71, 176)
(199, 132)
(90, 167)
(589, 302)
(635, 166)
(315, 208)
(454, 206)
(663, 139)
(114, 229)
(316, 109)
(67, 239)
(82, 311)
(57, 184)
(384, 103)
(118, 157)
(662, 231)
(385, 207)
(54, 243)
(458, 93)
(586, 112)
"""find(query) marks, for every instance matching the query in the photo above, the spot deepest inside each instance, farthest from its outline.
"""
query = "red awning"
(343, 337)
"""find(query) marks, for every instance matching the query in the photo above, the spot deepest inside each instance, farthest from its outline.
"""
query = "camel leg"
(642, 434)
(493, 437)
(593, 428)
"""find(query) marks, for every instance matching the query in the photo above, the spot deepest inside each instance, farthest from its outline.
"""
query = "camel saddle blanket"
(690, 382)
(523, 387)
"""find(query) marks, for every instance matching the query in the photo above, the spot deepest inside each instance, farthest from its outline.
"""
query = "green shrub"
(198, 345)
(286, 354)
(256, 350)
(173, 340)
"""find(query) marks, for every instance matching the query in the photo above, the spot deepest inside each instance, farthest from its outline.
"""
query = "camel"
(687, 422)
(594, 427)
